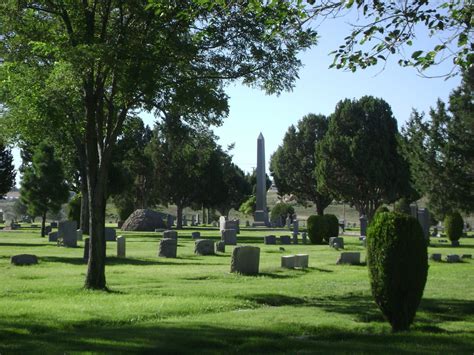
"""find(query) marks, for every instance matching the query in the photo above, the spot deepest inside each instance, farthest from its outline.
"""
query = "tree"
(43, 187)
(7, 171)
(441, 151)
(358, 158)
(293, 165)
(127, 56)
(395, 26)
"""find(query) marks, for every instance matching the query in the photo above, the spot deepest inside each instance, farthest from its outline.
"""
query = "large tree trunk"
(319, 209)
(84, 222)
(179, 216)
(43, 224)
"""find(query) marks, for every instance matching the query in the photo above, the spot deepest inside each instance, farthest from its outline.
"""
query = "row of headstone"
(284, 239)
(453, 258)
(224, 224)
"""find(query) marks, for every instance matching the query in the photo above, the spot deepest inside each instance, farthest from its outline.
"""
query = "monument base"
(261, 219)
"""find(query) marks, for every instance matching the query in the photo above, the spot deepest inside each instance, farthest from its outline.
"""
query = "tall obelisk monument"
(261, 214)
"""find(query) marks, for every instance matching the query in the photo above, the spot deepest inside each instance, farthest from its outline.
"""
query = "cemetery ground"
(193, 304)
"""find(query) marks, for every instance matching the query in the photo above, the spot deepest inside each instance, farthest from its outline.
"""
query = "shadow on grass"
(118, 261)
(23, 245)
(96, 335)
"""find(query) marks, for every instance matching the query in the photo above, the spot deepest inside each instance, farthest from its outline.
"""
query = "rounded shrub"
(453, 226)
(332, 226)
(398, 266)
(316, 229)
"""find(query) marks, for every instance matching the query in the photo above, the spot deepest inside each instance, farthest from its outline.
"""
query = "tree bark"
(319, 209)
(84, 222)
(179, 216)
(43, 224)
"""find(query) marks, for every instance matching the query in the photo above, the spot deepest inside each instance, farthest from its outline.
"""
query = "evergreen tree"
(7, 171)
(43, 187)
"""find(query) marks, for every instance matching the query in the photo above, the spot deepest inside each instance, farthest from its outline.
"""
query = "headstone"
(53, 236)
(47, 230)
(245, 260)
(247, 223)
(110, 234)
(54, 224)
(363, 225)
(185, 221)
(204, 247)
(301, 260)
(86, 249)
(285, 239)
(288, 222)
(304, 237)
(67, 230)
(288, 261)
(229, 236)
(79, 234)
(24, 259)
(295, 226)
(169, 221)
(295, 238)
(198, 219)
(220, 247)
(170, 234)
(168, 248)
(336, 242)
(229, 224)
(424, 219)
(466, 256)
(454, 243)
(269, 239)
(159, 230)
(261, 213)
(453, 258)
(436, 257)
(351, 258)
(121, 246)
(196, 235)
(414, 211)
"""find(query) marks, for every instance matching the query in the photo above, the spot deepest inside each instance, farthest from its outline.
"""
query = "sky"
(317, 91)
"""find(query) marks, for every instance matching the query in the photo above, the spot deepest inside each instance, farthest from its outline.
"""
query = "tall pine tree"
(7, 170)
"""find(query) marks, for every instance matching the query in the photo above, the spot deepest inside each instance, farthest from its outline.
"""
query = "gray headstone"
(121, 251)
(67, 230)
(285, 239)
(436, 257)
(269, 239)
(54, 224)
(220, 247)
(24, 259)
(110, 234)
(304, 237)
(351, 258)
(229, 236)
(168, 248)
(301, 260)
(295, 238)
(336, 240)
(295, 226)
(53, 236)
(86, 249)
(261, 214)
(288, 261)
(453, 258)
(170, 234)
(196, 235)
(169, 221)
(466, 256)
(204, 247)
(363, 225)
(245, 260)
(424, 219)
(455, 243)
(79, 234)
(288, 222)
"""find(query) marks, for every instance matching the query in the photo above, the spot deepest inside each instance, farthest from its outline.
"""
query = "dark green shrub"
(280, 211)
(402, 206)
(332, 226)
(453, 226)
(74, 209)
(398, 266)
(381, 209)
(317, 229)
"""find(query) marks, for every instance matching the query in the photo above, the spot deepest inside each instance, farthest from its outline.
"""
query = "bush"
(317, 229)
(381, 209)
(398, 266)
(74, 209)
(332, 226)
(453, 226)
(280, 212)
(402, 206)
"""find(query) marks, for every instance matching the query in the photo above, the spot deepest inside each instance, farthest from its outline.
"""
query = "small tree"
(7, 171)
(317, 228)
(43, 187)
(453, 224)
(398, 266)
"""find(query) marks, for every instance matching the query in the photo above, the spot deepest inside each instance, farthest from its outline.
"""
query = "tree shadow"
(23, 245)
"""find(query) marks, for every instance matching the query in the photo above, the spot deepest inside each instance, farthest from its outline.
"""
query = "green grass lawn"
(193, 304)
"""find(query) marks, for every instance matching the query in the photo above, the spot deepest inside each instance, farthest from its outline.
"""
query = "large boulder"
(145, 221)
